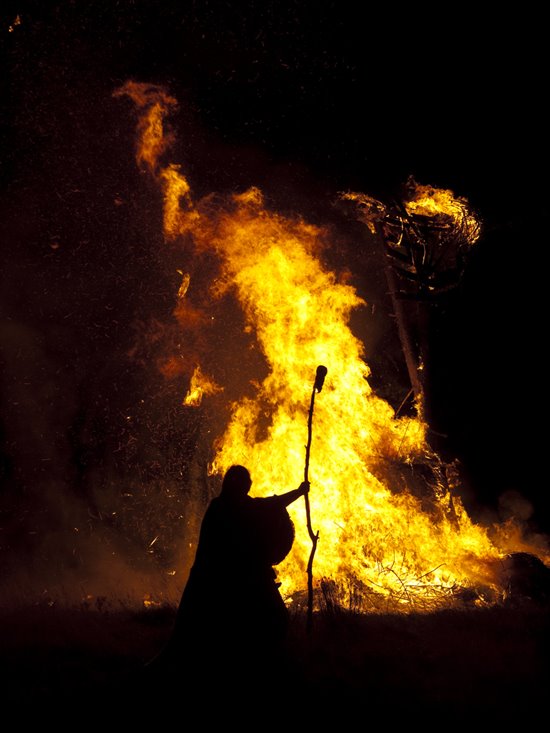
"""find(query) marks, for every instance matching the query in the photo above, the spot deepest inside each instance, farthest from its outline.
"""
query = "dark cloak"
(231, 602)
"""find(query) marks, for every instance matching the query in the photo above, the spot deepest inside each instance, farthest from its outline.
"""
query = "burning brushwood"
(427, 235)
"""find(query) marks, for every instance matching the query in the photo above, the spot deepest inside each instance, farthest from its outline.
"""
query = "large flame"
(373, 535)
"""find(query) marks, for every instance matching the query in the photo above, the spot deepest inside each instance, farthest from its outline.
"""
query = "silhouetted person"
(231, 613)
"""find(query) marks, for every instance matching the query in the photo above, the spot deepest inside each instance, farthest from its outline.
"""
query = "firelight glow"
(373, 535)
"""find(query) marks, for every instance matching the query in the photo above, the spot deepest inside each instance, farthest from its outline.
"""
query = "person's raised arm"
(291, 496)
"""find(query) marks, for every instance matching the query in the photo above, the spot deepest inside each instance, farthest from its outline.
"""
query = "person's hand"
(304, 487)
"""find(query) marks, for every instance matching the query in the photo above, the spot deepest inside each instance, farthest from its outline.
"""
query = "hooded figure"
(231, 606)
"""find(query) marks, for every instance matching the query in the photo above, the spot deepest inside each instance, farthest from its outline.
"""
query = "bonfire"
(392, 530)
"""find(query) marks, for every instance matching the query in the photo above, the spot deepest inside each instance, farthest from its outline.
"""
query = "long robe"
(231, 604)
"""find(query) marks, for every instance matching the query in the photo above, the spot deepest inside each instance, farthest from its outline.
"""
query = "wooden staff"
(314, 536)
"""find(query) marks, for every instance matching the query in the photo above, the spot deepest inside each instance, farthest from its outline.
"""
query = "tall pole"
(314, 536)
(404, 335)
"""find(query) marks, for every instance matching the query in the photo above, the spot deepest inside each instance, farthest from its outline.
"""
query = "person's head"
(236, 482)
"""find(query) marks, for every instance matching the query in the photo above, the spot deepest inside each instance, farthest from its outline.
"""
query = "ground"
(459, 666)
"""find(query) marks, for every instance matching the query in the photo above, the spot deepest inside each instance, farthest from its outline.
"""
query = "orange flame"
(200, 385)
(185, 282)
(156, 104)
(373, 534)
(433, 202)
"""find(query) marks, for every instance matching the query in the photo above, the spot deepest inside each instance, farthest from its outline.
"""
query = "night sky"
(303, 100)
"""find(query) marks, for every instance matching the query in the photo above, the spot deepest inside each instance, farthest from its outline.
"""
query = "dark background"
(304, 100)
